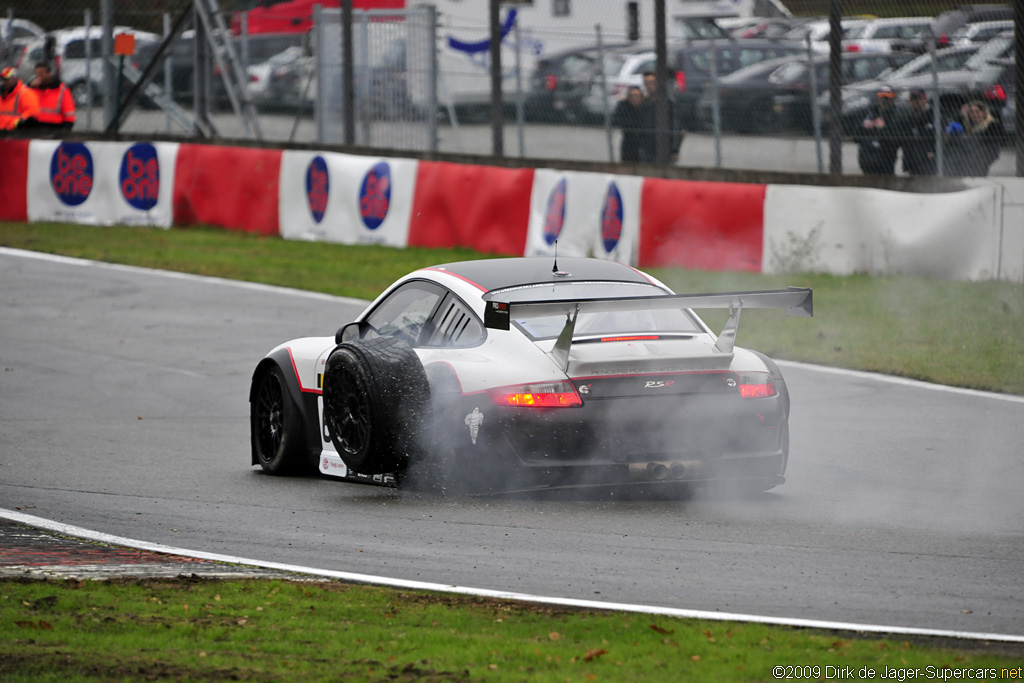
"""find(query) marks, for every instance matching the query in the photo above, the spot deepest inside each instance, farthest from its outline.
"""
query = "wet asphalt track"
(123, 408)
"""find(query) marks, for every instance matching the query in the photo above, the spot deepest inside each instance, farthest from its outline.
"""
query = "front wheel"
(276, 425)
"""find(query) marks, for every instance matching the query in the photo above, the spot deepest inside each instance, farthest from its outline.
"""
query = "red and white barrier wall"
(973, 234)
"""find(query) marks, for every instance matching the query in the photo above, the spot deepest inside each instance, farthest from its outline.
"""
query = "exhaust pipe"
(659, 471)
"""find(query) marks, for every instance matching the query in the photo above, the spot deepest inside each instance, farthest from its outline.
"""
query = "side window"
(75, 50)
(455, 325)
(405, 311)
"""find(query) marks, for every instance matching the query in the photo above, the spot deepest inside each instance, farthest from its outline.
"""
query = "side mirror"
(351, 332)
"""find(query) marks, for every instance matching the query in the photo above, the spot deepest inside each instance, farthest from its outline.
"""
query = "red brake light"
(636, 337)
(551, 82)
(755, 384)
(681, 81)
(996, 93)
(539, 395)
(853, 48)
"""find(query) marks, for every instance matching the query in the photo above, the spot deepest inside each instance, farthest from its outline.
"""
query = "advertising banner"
(230, 187)
(101, 183)
(700, 224)
(588, 214)
(13, 180)
(845, 230)
(486, 208)
(346, 198)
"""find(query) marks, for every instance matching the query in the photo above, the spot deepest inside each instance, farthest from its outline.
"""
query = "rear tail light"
(853, 48)
(538, 395)
(681, 81)
(755, 384)
(995, 93)
(551, 82)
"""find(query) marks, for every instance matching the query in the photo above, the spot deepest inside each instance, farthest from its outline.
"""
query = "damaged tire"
(376, 397)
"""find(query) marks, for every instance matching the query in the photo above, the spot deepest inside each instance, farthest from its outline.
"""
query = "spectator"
(675, 126)
(56, 105)
(972, 143)
(632, 117)
(19, 105)
(916, 128)
(878, 140)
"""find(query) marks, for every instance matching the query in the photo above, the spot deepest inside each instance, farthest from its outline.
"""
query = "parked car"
(504, 374)
(819, 30)
(15, 34)
(562, 80)
(957, 78)
(383, 96)
(947, 23)
(979, 32)
(878, 35)
(69, 58)
(776, 96)
(691, 67)
(263, 51)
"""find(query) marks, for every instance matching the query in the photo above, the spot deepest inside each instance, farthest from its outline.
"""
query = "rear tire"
(376, 397)
(276, 425)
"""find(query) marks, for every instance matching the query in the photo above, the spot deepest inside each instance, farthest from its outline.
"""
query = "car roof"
(491, 274)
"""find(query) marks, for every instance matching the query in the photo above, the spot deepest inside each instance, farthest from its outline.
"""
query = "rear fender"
(303, 401)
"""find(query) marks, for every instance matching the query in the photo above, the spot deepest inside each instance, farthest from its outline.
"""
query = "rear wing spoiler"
(795, 300)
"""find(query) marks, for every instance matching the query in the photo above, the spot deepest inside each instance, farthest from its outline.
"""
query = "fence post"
(815, 113)
(604, 94)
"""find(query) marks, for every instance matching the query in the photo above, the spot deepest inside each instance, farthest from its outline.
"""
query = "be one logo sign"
(139, 179)
(71, 173)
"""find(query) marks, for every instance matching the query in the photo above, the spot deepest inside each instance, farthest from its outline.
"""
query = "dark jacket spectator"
(633, 118)
(973, 142)
(878, 139)
(916, 129)
(675, 119)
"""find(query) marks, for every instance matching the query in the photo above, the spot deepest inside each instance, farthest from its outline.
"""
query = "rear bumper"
(682, 438)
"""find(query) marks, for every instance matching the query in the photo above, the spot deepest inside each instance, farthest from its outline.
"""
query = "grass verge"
(212, 630)
(966, 334)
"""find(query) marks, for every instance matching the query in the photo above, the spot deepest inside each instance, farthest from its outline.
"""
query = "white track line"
(419, 585)
(79, 532)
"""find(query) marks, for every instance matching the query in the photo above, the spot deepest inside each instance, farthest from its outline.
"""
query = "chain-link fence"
(925, 87)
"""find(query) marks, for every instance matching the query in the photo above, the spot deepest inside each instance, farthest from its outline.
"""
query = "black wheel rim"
(269, 417)
(349, 413)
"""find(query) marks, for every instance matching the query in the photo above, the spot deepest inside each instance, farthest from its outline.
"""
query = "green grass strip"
(212, 630)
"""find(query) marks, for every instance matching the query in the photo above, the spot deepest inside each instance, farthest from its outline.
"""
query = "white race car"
(527, 372)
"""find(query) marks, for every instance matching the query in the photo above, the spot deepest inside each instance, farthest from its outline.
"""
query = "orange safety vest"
(56, 106)
(16, 106)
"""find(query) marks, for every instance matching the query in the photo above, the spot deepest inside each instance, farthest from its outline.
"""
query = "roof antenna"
(554, 268)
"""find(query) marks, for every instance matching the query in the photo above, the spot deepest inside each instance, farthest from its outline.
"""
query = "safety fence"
(750, 93)
(975, 233)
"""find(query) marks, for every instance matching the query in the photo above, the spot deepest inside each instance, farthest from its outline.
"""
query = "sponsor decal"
(375, 195)
(71, 173)
(611, 218)
(658, 384)
(554, 216)
(730, 382)
(585, 389)
(318, 187)
(473, 421)
(139, 179)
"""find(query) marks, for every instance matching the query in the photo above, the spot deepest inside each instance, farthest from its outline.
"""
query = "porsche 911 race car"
(522, 373)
